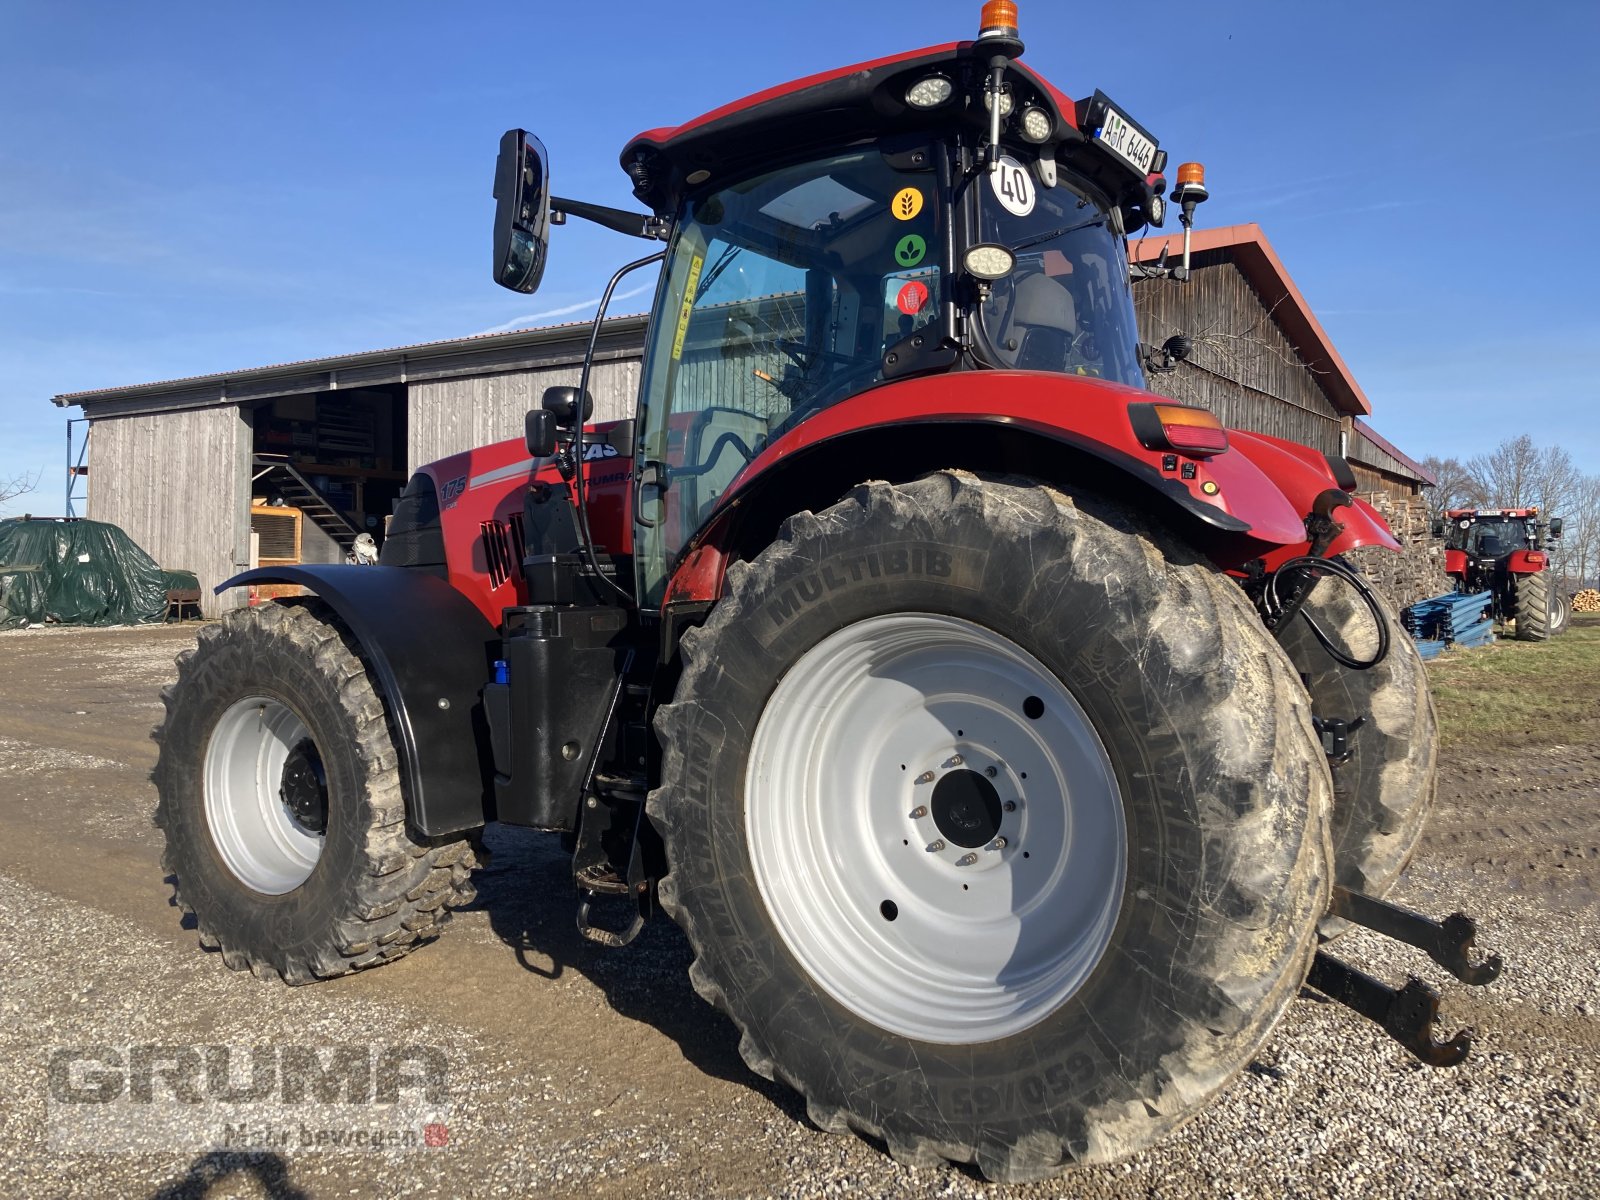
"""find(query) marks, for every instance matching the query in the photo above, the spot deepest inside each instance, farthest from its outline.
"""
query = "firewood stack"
(1417, 572)
(1587, 600)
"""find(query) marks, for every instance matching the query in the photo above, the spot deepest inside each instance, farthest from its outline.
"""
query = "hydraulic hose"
(1278, 611)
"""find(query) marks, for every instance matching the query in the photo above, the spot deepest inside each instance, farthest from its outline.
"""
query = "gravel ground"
(575, 1071)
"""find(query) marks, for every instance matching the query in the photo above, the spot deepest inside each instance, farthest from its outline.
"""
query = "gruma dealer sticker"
(1013, 186)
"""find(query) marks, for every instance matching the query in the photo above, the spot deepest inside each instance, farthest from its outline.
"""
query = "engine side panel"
(481, 492)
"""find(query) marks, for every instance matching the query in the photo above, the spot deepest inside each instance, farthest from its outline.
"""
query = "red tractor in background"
(1005, 739)
(1505, 551)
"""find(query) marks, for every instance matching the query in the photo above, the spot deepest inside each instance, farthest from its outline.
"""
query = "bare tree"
(1577, 552)
(17, 485)
(1508, 474)
(1455, 487)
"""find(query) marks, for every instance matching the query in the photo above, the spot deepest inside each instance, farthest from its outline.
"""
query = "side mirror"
(562, 404)
(1437, 531)
(521, 211)
(1555, 527)
(539, 429)
(1177, 347)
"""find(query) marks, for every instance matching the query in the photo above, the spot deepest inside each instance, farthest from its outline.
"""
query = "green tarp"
(79, 573)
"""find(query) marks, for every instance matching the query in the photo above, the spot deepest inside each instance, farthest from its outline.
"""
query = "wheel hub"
(966, 808)
(304, 787)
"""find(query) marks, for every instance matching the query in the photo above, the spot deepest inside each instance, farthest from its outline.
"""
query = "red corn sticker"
(912, 297)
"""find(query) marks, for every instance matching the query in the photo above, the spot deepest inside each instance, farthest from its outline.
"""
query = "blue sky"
(191, 188)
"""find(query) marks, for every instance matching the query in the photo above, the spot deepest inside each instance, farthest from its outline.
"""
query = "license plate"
(1119, 135)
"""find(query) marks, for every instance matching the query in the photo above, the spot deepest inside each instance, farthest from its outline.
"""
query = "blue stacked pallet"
(1453, 619)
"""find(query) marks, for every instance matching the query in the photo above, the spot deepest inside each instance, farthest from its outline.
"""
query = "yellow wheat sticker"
(688, 306)
(906, 204)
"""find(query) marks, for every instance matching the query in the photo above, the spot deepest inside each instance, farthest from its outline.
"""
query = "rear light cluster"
(1535, 558)
(1177, 427)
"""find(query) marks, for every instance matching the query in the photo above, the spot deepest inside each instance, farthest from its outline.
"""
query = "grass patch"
(1512, 693)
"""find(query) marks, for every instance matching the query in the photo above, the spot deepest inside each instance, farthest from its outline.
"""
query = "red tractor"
(1505, 551)
(1005, 738)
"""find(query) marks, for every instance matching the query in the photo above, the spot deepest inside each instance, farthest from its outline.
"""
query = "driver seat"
(1036, 333)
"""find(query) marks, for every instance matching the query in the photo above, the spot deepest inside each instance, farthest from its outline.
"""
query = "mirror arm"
(633, 224)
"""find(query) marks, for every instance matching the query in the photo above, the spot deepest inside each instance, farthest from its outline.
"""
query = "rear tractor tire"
(1383, 791)
(279, 794)
(995, 820)
(1534, 607)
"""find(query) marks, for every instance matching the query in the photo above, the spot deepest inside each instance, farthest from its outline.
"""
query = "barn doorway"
(328, 468)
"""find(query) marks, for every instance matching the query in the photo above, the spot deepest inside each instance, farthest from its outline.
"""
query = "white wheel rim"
(251, 826)
(984, 941)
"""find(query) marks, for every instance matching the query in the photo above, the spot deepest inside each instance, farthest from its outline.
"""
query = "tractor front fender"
(431, 652)
(1302, 474)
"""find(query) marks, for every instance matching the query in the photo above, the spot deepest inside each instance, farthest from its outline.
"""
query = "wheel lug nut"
(998, 844)
(991, 772)
(1010, 806)
(955, 761)
(935, 846)
(919, 812)
(966, 860)
(925, 777)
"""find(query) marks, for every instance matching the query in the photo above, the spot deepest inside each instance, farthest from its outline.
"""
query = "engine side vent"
(519, 549)
(497, 552)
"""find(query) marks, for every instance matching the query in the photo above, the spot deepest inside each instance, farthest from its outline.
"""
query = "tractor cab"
(941, 211)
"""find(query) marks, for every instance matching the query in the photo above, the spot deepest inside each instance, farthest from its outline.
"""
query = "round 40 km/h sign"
(1013, 186)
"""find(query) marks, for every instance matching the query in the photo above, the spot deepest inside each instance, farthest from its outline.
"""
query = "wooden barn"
(1261, 360)
(292, 462)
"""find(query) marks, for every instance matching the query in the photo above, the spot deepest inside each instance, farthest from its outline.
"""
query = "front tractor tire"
(996, 822)
(1383, 792)
(279, 794)
(1534, 616)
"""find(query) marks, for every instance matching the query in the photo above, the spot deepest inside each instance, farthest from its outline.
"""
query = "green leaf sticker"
(910, 250)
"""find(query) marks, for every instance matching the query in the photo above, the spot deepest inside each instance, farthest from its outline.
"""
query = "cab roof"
(831, 108)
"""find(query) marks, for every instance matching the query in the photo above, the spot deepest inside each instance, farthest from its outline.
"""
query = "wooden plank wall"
(447, 416)
(177, 483)
(1398, 486)
(1243, 367)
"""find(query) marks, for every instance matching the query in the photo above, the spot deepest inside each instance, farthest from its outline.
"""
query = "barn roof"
(363, 368)
(1247, 247)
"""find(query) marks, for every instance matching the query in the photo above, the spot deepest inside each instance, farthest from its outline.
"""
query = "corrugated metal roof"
(516, 337)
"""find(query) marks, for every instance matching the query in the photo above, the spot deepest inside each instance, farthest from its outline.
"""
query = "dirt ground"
(577, 1071)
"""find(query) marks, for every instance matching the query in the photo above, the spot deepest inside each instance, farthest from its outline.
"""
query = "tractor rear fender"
(1455, 562)
(430, 652)
(1067, 431)
(1526, 562)
(1302, 474)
